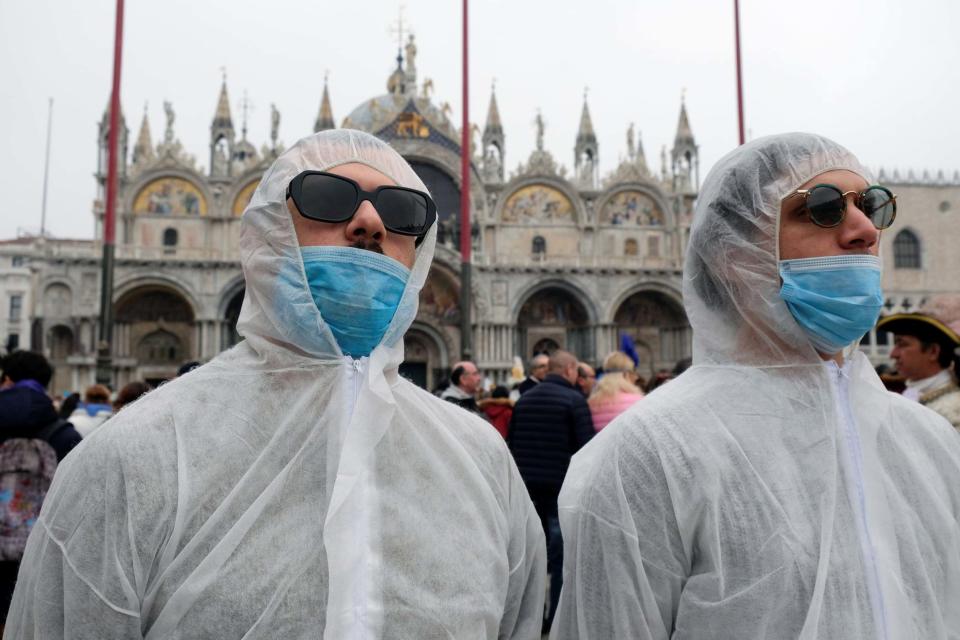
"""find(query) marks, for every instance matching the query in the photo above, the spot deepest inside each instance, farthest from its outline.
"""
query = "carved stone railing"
(539, 261)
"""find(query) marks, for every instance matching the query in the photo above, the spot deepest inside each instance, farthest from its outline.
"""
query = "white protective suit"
(284, 490)
(764, 493)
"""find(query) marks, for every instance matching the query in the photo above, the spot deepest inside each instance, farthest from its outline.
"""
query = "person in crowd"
(616, 391)
(69, 404)
(658, 379)
(465, 382)
(187, 367)
(550, 423)
(924, 351)
(296, 486)
(498, 409)
(93, 411)
(538, 371)
(775, 489)
(26, 412)
(586, 379)
(130, 392)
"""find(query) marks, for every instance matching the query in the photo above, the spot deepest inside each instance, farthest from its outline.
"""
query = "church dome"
(371, 115)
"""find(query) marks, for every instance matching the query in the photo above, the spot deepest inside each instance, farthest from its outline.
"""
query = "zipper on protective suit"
(857, 494)
(361, 525)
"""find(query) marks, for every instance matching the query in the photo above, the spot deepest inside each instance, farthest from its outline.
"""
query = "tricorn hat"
(937, 321)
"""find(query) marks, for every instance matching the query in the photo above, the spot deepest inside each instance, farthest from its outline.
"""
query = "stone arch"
(162, 280)
(572, 289)
(440, 297)
(426, 355)
(228, 311)
(658, 325)
(61, 342)
(154, 330)
(57, 300)
(557, 313)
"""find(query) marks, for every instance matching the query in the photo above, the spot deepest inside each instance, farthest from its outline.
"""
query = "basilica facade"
(561, 259)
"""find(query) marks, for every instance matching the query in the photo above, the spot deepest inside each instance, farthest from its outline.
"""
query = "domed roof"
(373, 114)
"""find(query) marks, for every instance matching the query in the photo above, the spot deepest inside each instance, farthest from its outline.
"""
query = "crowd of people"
(297, 486)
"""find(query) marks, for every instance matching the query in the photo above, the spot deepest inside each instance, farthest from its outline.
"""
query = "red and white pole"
(104, 357)
(466, 302)
(736, 26)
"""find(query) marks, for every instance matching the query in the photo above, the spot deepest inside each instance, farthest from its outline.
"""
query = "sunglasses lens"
(403, 211)
(825, 205)
(878, 204)
(327, 198)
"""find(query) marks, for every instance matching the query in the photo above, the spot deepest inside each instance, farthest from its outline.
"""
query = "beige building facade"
(562, 258)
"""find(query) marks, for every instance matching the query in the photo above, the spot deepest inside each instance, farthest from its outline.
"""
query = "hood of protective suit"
(731, 283)
(284, 490)
(278, 309)
(763, 493)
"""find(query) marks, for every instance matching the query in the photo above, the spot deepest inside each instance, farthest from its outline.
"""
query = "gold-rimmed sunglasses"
(827, 204)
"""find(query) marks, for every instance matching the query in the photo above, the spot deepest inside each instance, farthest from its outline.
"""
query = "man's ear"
(933, 351)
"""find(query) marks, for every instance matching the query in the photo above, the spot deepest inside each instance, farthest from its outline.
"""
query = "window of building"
(160, 347)
(170, 238)
(653, 247)
(13, 342)
(906, 250)
(630, 247)
(17, 261)
(539, 246)
(16, 307)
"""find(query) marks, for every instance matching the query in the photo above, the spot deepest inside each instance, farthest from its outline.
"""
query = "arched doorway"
(550, 319)
(229, 335)
(154, 332)
(61, 344)
(446, 193)
(426, 358)
(659, 328)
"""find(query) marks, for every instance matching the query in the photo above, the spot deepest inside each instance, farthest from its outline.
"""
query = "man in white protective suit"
(775, 489)
(296, 486)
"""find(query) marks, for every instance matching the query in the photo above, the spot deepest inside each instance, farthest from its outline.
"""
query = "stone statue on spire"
(538, 121)
(274, 125)
(631, 145)
(171, 116)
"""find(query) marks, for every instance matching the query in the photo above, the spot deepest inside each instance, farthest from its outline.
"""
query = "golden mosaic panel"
(243, 198)
(170, 196)
(537, 203)
(632, 208)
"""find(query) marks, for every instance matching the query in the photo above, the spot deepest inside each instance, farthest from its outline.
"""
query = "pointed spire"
(684, 133)
(585, 134)
(640, 157)
(222, 118)
(493, 126)
(325, 115)
(143, 150)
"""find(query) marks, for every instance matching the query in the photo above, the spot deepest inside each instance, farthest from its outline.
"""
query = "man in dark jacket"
(25, 411)
(550, 423)
(538, 371)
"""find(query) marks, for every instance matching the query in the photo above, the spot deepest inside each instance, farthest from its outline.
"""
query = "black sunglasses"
(827, 204)
(327, 197)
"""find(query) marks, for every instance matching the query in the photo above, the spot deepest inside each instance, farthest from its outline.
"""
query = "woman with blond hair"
(616, 391)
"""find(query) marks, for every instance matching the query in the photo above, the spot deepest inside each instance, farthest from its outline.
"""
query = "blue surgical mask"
(835, 299)
(357, 292)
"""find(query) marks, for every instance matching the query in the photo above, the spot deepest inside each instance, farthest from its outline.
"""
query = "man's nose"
(857, 231)
(366, 224)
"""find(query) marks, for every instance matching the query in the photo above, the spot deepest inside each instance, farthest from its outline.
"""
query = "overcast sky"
(879, 76)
